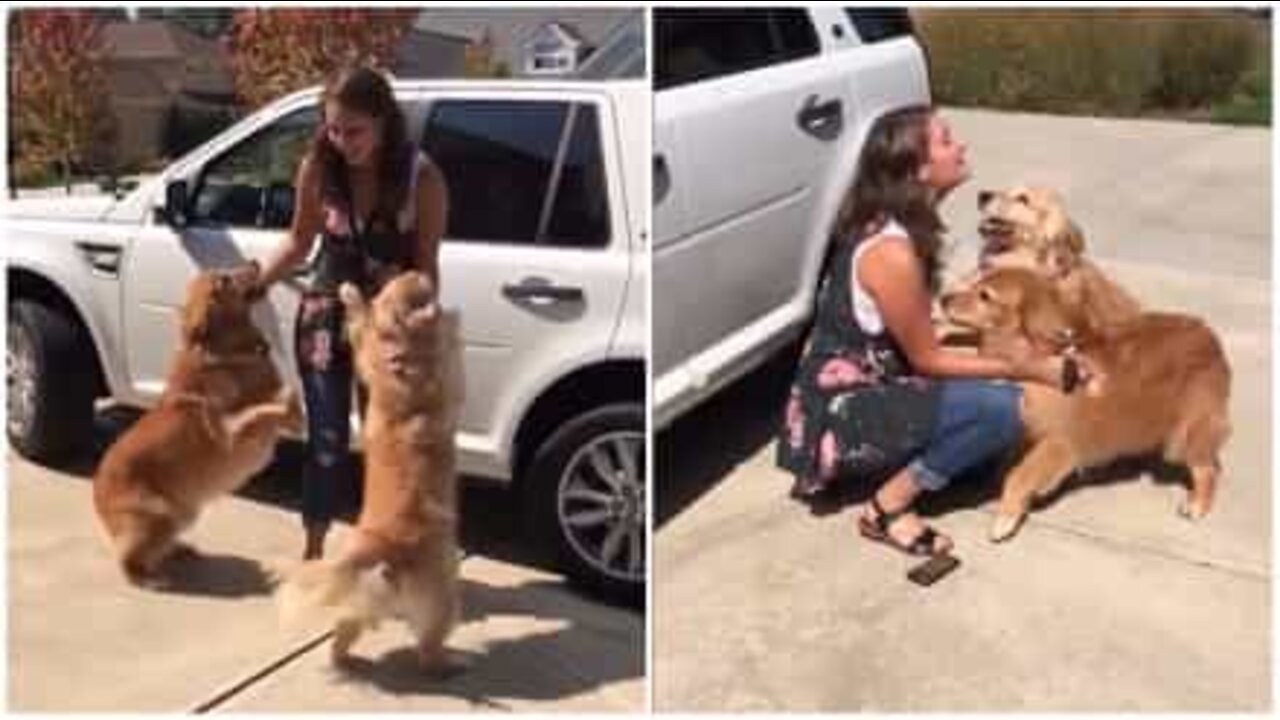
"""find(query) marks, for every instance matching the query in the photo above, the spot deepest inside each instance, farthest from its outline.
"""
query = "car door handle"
(823, 119)
(661, 178)
(542, 291)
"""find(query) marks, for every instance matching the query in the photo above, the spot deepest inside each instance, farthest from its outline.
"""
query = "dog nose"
(984, 197)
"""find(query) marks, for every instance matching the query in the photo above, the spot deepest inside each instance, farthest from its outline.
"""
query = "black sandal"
(877, 529)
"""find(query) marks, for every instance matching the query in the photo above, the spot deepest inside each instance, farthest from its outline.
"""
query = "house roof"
(511, 27)
(158, 44)
(153, 39)
(559, 31)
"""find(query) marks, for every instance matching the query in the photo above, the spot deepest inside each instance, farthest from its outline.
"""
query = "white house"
(554, 48)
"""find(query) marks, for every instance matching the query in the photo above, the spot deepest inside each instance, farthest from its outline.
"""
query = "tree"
(60, 114)
(280, 50)
(478, 57)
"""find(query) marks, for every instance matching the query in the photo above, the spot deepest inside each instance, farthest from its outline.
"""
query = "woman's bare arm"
(891, 273)
(433, 218)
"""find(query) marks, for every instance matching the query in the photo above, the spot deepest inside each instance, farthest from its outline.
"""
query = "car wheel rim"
(601, 504)
(21, 381)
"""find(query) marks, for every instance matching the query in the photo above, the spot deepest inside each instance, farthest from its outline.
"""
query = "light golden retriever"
(1029, 227)
(1162, 384)
(214, 427)
(402, 558)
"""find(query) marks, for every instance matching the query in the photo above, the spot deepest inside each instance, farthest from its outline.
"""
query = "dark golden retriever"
(214, 427)
(1162, 384)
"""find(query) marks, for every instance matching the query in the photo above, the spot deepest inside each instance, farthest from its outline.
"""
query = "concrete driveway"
(81, 639)
(1106, 600)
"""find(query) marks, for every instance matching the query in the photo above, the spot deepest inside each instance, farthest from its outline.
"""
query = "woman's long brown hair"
(364, 90)
(888, 186)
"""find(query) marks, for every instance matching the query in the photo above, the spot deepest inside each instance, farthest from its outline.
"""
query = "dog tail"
(324, 591)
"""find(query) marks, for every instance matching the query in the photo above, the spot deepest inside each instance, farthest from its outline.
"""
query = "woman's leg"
(325, 368)
(976, 420)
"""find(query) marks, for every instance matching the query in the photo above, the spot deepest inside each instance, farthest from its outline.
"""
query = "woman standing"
(378, 206)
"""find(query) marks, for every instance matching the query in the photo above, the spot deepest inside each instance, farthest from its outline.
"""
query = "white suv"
(759, 118)
(544, 255)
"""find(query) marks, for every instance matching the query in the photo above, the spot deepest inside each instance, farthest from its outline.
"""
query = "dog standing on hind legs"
(216, 425)
(401, 560)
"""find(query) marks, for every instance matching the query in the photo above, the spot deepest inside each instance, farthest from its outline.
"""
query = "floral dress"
(364, 254)
(856, 409)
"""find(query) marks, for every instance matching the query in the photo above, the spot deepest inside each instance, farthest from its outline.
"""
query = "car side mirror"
(176, 204)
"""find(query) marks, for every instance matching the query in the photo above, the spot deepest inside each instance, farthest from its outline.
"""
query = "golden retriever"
(402, 558)
(1028, 227)
(214, 427)
(1162, 383)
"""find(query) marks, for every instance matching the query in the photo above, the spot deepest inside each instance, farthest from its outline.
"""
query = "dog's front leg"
(1044, 465)
(253, 423)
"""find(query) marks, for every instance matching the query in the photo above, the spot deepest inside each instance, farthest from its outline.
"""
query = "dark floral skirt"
(844, 422)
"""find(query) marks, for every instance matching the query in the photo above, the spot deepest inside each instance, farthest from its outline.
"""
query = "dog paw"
(294, 418)
(1005, 527)
(1191, 510)
(350, 295)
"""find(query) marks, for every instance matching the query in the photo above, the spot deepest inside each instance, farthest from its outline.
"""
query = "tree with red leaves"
(279, 50)
(60, 116)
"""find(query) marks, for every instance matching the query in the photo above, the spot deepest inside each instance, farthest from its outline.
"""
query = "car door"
(241, 205)
(536, 250)
(750, 121)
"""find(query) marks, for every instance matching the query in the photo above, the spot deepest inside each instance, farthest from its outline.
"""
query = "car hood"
(85, 207)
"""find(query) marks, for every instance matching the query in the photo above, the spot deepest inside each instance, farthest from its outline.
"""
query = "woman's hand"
(1067, 372)
(248, 277)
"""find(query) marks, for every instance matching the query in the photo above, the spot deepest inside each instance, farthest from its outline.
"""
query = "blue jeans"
(329, 463)
(976, 420)
(326, 370)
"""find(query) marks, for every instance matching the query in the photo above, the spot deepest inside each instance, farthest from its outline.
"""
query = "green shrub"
(1200, 61)
(1121, 62)
(1250, 104)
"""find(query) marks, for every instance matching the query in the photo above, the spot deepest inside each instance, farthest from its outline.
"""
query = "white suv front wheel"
(589, 503)
(50, 384)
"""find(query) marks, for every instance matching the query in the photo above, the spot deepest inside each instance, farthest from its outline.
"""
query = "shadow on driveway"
(493, 521)
(705, 445)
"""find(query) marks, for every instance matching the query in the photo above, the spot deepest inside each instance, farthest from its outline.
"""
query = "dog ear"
(1045, 320)
(1073, 237)
(195, 325)
(193, 316)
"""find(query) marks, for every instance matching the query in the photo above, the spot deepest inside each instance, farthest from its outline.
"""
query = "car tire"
(588, 501)
(50, 384)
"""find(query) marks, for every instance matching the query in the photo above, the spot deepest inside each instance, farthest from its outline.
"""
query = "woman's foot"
(807, 488)
(902, 529)
(315, 542)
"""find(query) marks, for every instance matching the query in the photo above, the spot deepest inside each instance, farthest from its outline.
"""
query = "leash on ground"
(236, 687)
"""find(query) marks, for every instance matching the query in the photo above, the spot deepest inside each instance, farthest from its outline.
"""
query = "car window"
(524, 172)
(579, 204)
(876, 24)
(694, 44)
(251, 185)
